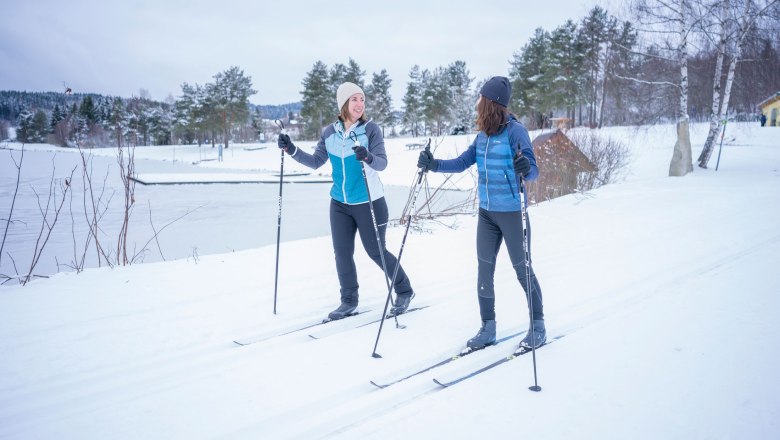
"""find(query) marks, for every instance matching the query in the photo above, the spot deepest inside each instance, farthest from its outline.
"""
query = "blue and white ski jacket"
(498, 183)
(336, 144)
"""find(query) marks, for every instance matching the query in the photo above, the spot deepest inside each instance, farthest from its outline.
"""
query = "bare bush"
(608, 155)
(126, 162)
(433, 203)
(93, 208)
(48, 223)
(18, 166)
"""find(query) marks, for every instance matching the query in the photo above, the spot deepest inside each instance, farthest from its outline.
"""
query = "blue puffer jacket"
(336, 145)
(498, 183)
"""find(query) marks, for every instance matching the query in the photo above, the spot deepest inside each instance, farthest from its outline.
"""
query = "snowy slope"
(663, 287)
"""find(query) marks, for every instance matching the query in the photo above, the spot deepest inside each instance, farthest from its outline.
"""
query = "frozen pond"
(217, 218)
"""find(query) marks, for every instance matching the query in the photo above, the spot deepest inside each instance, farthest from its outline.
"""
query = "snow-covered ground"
(663, 288)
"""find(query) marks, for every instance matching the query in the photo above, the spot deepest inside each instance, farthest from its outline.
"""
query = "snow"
(663, 287)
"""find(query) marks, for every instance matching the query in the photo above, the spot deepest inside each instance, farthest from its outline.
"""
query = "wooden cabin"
(559, 162)
(770, 107)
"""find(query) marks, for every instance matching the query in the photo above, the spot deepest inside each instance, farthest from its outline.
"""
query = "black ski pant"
(492, 228)
(345, 220)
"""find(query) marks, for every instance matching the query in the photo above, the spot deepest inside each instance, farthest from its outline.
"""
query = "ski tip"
(441, 384)
(240, 344)
(381, 387)
(313, 337)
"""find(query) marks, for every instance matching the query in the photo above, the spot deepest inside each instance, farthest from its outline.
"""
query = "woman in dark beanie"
(350, 212)
(504, 156)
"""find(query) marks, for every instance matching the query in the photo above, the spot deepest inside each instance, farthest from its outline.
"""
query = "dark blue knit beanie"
(497, 89)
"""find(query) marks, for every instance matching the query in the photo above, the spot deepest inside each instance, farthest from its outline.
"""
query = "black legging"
(491, 229)
(345, 220)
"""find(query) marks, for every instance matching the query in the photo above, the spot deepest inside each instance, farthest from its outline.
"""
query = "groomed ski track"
(673, 343)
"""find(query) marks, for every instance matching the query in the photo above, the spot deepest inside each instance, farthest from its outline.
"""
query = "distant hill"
(277, 111)
(12, 102)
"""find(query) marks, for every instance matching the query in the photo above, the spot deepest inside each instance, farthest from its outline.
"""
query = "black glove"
(285, 143)
(427, 162)
(522, 165)
(362, 154)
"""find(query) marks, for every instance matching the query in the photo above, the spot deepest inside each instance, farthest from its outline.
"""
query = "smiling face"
(356, 105)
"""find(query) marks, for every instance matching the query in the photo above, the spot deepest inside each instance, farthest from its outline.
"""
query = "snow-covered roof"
(770, 100)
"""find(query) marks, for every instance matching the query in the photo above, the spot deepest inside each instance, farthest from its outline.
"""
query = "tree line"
(599, 70)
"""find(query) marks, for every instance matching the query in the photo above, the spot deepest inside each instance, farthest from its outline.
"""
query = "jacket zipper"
(344, 172)
(487, 194)
(511, 188)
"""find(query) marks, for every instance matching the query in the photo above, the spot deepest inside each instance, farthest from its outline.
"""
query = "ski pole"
(279, 218)
(415, 191)
(527, 252)
(717, 164)
(381, 248)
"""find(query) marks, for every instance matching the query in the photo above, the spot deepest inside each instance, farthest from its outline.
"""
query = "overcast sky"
(118, 48)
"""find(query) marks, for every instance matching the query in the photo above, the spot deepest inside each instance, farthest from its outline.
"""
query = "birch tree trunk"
(748, 18)
(607, 66)
(682, 158)
(715, 118)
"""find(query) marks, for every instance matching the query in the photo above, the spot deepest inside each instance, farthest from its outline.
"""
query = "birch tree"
(736, 19)
(674, 19)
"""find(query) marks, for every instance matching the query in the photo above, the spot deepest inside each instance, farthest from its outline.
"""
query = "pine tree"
(24, 130)
(87, 111)
(318, 100)
(337, 75)
(624, 65)
(184, 110)
(463, 101)
(529, 92)
(39, 128)
(437, 100)
(412, 115)
(379, 103)
(562, 72)
(229, 95)
(118, 123)
(354, 73)
(56, 118)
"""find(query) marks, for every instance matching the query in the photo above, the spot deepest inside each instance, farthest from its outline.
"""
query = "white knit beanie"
(345, 91)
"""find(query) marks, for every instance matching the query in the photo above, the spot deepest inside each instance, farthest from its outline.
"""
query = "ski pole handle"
(423, 171)
(280, 124)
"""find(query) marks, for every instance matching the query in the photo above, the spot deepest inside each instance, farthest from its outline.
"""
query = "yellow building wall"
(772, 112)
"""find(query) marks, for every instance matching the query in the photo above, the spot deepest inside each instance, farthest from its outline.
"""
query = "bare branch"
(13, 200)
(641, 81)
(40, 246)
(157, 233)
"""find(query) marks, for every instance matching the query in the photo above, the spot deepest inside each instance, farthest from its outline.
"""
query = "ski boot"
(344, 310)
(539, 335)
(401, 304)
(484, 337)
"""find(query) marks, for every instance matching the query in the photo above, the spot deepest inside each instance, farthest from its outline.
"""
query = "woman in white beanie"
(350, 212)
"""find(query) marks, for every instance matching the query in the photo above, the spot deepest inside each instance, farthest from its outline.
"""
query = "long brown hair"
(344, 114)
(490, 116)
